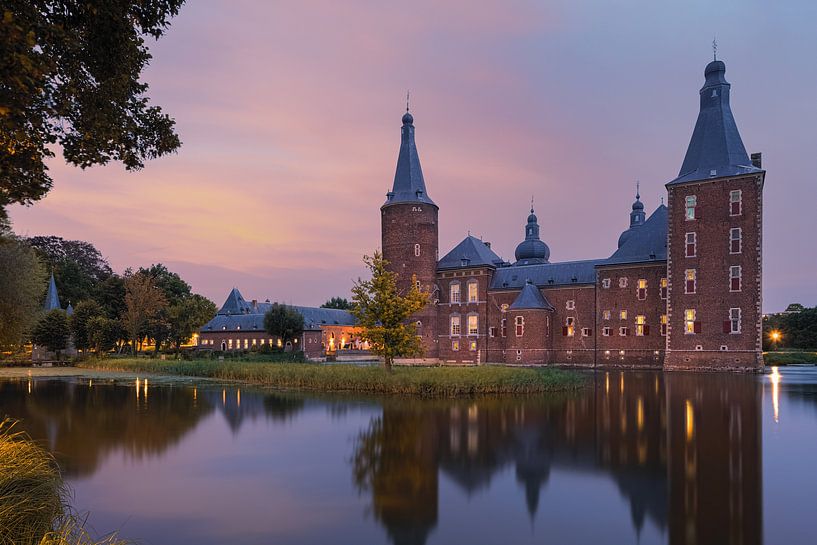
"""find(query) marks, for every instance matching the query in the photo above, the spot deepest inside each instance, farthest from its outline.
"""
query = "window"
(417, 250)
(664, 285)
(504, 307)
(246, 343)
(473, 324)
(691, 202)
(734, 321)
(504, 328)
(622, 315)
(641, 289)
(605, 314)
(417, 284)
(691, 325)
(455, 325)
(735, 240)
(472, 346)
(230, 344)
(570, 305)
(586, 332)
(455, 345)
(641, 327)
(735, 274)
(418, 328)
(663, 325)
(605, 283)
(569, 328)
(623, 331)
(691, 244)
(622, 282)
(492, 331)
(690, 281)
(520, 326)
(735, 202)
(455, 292)
(472, 291)
(254, 342)
(606, 331)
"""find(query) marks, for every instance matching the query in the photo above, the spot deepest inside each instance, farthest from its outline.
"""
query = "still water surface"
(637, 458)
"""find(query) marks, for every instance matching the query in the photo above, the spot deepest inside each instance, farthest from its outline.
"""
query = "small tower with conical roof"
(637, 217)
(532, 250)
(52, 299)
(409, 231)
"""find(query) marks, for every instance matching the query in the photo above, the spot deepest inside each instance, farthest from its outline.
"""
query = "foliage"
(340, 303)
(104, 333)
(110, 294)
(21, 291)
(77, 265)
(383, 313)
(187, 316)
(795, 307)
(52, 331)
(284, 322)
(80, 322)
(420, 381)
(143, 303)
(173, 287)
(798, 329)
(70, 76)
(790, 358)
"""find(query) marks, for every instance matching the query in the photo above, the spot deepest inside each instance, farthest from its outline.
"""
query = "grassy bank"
(33, 496)
(790, 358)
(423, 381)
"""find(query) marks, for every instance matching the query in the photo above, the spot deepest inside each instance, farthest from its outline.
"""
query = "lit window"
(622, 282)
(622, 315)
(605, 314)
(473, 324)
(641, 327)
(246, 343)
(472, 291)
(606, 331)
(417, 285)
(691, 202)
(586, 332)
(455, 325)
(455, 345)
(254, 342)
(735, 274)
(605, 283)
(417, 250)
(664, 325)
(230, 344)
(691, 283)
(455, 292)
(664, 285)
(734, 320)
(690, 324)
(570, 327)
(520, 326)
(472, 346)
(623, 331)
(504, 328)
(691, 244)
(570, 305)
(641, 290)
(504, 307)
(735, 240)
(735, 202)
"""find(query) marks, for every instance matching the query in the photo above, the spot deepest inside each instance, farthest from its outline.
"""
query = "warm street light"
(775, 336)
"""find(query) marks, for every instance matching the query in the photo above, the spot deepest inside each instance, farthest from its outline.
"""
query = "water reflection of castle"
(686, 453)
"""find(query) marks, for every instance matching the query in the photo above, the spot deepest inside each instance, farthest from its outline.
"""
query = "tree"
(52, 332)
(69, 76)
(795, 307)
(284, 322)
(110, 294)
(175, 290)
(104, 333)
(22, 288)
(78, 266)
(187, 316)
(143, 302)
(383, 313)
(80, 323)
(337, 302)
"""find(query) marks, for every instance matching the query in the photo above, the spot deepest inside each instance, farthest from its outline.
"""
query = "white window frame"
(455, 345)
(605, 314)
(473, 286)
(503, 327)
(570, 324)
(605, 283)
(623, 331)
(518, 322)
(733, 276)
(622, 315)
(570, 304)
(416, 250)
(455, 325)
(689, 324)
(663, 325)
(739, 232)
(735, 321)
(694, 281)
(690, 202)
(663, 288)
(736, 196)
(639, 288)
(694, 244)
(455, 292)
(640, 324)
(622, 282)
(606, 331)
(473, 319)
(585, 332)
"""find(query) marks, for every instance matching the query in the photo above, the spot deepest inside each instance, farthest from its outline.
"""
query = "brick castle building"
(681, 291)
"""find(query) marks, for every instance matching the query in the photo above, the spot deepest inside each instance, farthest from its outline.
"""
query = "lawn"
(790, 358)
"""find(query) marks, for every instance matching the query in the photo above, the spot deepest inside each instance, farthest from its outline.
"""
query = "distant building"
(681, 291)
(239, 325)
(52, 302)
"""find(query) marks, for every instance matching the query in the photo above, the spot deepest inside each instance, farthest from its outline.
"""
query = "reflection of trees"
(623, 426)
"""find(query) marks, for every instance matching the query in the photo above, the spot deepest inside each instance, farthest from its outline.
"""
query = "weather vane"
(714, 49)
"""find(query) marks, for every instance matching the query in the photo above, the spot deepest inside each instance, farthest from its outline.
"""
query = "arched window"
(417, 250)
(419, 328)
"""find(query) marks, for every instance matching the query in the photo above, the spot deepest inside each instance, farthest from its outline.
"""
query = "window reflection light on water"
(775, 380)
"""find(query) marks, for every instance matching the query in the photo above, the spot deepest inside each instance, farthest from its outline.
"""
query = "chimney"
(488, 244)
(757, 160)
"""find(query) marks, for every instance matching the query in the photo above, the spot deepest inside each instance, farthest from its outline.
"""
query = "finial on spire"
(408, 95)
(531, 204)
(714, 48)
(637, 190)
(662, 201)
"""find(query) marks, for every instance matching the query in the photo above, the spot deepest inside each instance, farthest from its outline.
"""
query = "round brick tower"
(409, 233)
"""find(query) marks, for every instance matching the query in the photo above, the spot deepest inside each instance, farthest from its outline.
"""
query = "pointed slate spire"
(715, 149)
(409, 185)
(235, 304)
(52, 300)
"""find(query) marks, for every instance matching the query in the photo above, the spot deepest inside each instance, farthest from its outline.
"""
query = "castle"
(681, 291)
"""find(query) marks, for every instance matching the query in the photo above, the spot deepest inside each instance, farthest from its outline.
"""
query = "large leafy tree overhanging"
(70, 75)
(283, 322)
(383, 312)
(22, 288)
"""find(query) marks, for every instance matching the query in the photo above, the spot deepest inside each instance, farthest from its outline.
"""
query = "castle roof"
(235, 304)
(52, 300)
(646, 243)
(409, 185)
(546, 274)
(471, 252)
(532, 249)
(715, 149)
(530, 298)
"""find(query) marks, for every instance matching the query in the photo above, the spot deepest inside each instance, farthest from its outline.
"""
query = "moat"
(638, 457)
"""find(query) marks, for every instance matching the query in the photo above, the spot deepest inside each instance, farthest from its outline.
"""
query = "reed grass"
(419, 381)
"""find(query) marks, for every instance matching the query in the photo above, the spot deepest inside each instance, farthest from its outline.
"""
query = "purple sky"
(289, 113)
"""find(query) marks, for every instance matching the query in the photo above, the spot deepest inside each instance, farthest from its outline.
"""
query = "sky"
(289, 113)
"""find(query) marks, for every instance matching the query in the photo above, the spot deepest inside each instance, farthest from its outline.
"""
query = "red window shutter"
(735, 208)
(564, 331)
(727, 326)
(690, 286)
(589, 332)
(735, 284)
(697, 325)
(646, 330)
(735, 246)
